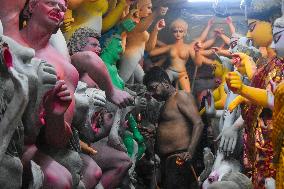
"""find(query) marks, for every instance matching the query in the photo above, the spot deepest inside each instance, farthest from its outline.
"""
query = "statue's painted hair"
(179, 23)
(79, 39)
(156, 74)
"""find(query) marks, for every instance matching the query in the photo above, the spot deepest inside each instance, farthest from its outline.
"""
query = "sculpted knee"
(58, 180)
(124, 164)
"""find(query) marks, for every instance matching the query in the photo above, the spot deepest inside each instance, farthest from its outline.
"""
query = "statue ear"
(31, 6)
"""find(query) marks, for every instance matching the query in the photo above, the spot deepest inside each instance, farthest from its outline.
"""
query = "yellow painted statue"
(262, 93)
(96, 14)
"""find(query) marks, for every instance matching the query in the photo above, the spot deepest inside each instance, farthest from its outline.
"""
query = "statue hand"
(163, 11)
(197, 46)
(229, 20)
(229, 137)
(234, 82)
(120, 98)
(269, 183)
(237, 101)
(98, 98)
(219, 31)
(141, 103)
(58, 99)
(161, 24)
(210, 104)
(211, 21)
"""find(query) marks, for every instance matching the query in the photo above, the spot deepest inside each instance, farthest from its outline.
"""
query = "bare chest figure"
(179, 57)
(174, 131)
(65, 71)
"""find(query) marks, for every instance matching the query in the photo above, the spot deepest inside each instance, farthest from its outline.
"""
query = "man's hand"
(163, 11)
(161, 24)
(184, 156)
(58, 99)
(120, 98)
(234, 82)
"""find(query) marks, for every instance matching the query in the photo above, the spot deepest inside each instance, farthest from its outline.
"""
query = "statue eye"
(276, 38)
(252, 26)
(233, 44)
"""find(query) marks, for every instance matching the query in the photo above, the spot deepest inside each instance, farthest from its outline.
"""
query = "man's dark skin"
(180, 126)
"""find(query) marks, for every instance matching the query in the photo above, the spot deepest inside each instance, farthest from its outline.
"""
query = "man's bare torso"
(174, 130)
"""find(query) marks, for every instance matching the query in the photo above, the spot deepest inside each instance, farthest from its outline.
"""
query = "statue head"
(179, 28)
(84, 39)
(144, 7)
(49, 13)
(261, 15)
(260, 32)
(278, 34)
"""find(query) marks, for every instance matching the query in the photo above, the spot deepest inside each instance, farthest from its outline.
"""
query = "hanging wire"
(220, 8)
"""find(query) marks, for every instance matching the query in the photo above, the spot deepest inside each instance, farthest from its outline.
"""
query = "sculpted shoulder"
(183, 97)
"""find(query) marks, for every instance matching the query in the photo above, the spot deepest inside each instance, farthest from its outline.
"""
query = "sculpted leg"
(55, 175)
(139, 74)
(128, 66)
(92, 173)
(184, 82)
(114, 164)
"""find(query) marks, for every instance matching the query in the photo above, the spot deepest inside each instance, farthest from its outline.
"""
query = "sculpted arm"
(154, 35)
(89, 62)
(205, 32)
(258, 96)
(113, 16)
(159, 51)
(188, 108)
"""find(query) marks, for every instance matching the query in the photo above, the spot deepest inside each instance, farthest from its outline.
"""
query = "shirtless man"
(179, 129)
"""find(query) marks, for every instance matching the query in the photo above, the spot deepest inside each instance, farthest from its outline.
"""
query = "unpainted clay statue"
(139, 40)
(14, 99)
(94, 123)
(180, 52)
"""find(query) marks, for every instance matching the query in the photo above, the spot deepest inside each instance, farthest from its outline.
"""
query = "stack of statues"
(81, 106)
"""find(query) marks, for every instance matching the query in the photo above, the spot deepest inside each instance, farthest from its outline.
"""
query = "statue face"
(260, 32)
(278, 40)
(93, 45)
(145, 10)
(49, 12)
(179, 33)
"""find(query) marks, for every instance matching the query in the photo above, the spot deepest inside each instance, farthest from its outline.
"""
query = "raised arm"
(160, 50)
(145, 23)
(113, 16)
(205, 32)
(187, 107)
(154, 35)
(232, 28)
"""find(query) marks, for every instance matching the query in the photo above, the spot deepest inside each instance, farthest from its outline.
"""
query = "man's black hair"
(156, 74)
